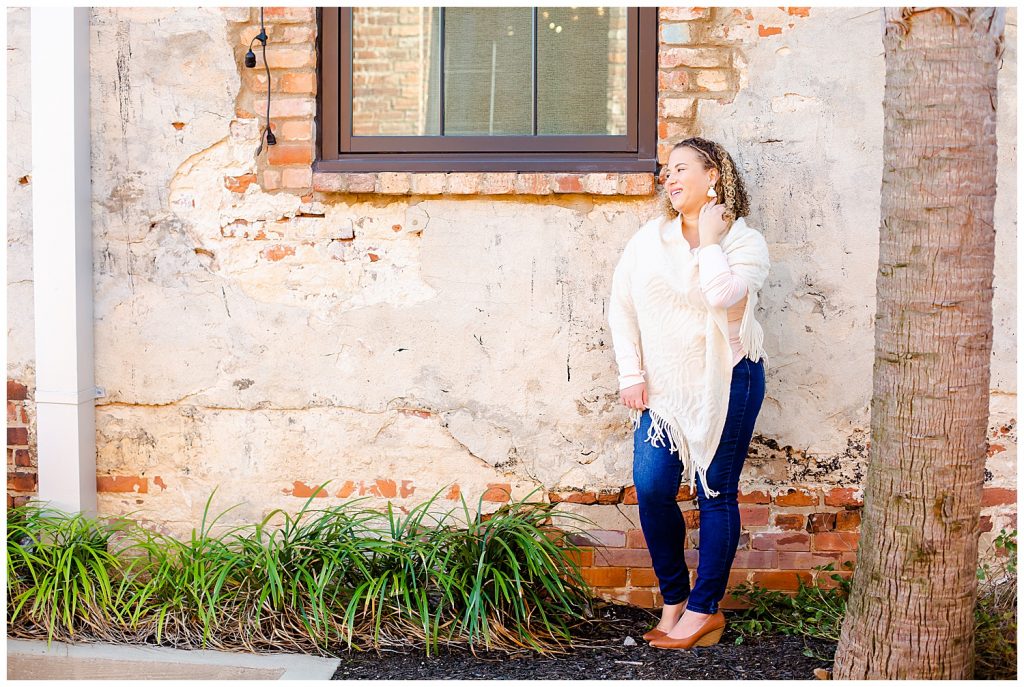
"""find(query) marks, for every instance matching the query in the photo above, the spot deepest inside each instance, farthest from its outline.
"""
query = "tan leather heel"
(707, 635)
(710, 638)
(653, 634)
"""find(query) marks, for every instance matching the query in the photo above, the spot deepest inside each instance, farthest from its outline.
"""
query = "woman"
(692, 373)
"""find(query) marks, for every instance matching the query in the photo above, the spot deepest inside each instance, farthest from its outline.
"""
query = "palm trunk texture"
(911, 610)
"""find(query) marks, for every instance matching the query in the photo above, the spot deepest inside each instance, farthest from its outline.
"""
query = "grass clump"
(995, 615)
(343, 576)
(814, 611)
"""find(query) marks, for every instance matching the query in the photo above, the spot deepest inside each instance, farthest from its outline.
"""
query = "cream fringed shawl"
(664, 331)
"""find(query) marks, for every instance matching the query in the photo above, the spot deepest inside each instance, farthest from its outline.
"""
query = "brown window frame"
(635, 151)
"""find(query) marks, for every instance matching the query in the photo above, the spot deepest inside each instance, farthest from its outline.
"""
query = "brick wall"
(21, 446)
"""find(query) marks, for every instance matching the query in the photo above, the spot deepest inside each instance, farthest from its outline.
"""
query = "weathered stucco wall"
(21, 451)
(264, 342)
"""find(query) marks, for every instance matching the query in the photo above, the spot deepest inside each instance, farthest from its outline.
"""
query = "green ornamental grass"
(319, 580)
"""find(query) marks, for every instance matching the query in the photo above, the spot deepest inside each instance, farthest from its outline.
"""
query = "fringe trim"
(661, 432)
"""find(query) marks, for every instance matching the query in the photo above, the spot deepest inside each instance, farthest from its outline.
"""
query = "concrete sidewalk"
(33, 660)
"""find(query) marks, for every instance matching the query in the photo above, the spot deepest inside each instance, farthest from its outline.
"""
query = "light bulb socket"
(250, 59)
(271, 138)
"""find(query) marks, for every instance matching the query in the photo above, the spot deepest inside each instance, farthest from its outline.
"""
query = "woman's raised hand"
(711, 226)
(635, 396)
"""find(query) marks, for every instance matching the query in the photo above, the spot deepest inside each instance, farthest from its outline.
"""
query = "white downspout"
(62, 258)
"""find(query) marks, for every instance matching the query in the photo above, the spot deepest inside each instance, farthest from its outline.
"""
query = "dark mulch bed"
(603, 654)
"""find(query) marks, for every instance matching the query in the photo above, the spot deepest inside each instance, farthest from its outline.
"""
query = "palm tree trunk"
(911, 610)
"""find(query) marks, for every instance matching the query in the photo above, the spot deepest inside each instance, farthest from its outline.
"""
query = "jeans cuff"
(701, 610)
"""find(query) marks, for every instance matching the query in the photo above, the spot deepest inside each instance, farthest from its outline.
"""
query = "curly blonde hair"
(729, 186)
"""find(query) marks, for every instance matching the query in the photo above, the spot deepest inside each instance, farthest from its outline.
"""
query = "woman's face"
(686, 180)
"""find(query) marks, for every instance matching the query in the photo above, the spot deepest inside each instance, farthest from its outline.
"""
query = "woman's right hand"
(635, 396)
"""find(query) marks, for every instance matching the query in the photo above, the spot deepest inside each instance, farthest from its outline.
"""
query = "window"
(549, 89)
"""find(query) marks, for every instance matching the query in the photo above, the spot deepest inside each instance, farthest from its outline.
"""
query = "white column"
(62, 258)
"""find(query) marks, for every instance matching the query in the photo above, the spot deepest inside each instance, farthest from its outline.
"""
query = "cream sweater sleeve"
(622, 321)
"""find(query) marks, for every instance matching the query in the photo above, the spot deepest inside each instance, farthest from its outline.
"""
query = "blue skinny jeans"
(657, 474)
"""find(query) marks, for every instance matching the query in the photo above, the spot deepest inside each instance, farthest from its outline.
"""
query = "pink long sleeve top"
(723, 289)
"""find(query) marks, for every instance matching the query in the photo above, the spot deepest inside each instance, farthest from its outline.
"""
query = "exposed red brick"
(609, 497)
(385, 487)
(786, 541)
(992, 449)
(821, 522)
(240, 183)
(763, 30)
(17, 436)
(985, 523)
(630, 558)
(297, 130)
(584, 497)
(159, 481)
(682, 13)
(302, 490)
(990, 496)
(643, 598)
(781, 579)
(799, 11)
(338, 182)
(848, 520)
(843, 496)
(346, 490)
(289, 14)
(754, 497)
(567, 183)
(635, 539)
(290, 154)
(790, 521)
(583, 557)
(407, 489)
(297, 82)
(373, 257)
(498, 493)
(805, 560)
(604, 538)
(691, 518)
(836, 541)
(498, 183)
(122, 484)
(465, 183)
(629, 496)
(453, 493)
(754, 515)
(21, 481)
(297, 177)
(642, 577)
(13, 411)
(604, 577)
(636, 184)
(685, 493)
(22, 458)
(797, 497)
(533, 184)
(16, 391)
(277, 252)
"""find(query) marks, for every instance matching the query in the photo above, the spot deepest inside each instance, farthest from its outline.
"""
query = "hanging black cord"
(262, 38)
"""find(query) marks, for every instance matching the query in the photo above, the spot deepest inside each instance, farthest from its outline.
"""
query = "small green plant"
(814, 611)
(346, 575)
(995, 615)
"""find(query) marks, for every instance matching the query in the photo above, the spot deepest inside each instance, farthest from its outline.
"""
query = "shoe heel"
(710, 638)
